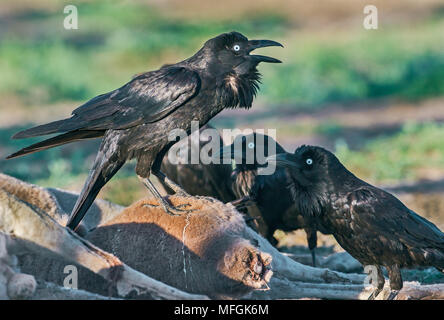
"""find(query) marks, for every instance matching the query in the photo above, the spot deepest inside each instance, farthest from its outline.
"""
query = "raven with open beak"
(135, 120)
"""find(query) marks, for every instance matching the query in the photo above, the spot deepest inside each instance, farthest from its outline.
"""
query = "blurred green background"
(375, 97)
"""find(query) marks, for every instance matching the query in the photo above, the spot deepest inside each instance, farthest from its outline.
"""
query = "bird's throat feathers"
(238, 91)
(309, 203)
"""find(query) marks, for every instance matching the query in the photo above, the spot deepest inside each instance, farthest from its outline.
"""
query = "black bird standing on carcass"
(267, 196)
(136, 119)
(212, 180)
(369, 223)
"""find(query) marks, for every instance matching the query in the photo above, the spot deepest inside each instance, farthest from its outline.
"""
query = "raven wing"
(376, 210)
(147, 98)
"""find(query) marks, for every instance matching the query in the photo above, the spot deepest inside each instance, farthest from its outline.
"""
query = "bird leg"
(171, 210)
(380, 281)
(395, 277)
(312, 239)
(313, 256)
(170, 184)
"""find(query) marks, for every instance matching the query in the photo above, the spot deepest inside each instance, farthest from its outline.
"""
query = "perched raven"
(136, 119)
(212, 180)
(269, 195)
(369, 223)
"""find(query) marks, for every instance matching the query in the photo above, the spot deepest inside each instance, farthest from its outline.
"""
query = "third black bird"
(371, 224)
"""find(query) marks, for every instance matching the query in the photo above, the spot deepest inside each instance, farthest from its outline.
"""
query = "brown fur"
(218, 259)
(57, 203)
(36, 196)
(212, 256)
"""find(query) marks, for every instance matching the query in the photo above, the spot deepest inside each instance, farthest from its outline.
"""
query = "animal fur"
(201, 252)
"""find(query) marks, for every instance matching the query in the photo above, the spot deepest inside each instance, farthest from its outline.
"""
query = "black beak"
(255, 44)
(284, 160)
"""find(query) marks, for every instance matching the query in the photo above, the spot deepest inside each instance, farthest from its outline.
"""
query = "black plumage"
(212, 180)
(134, 120)
(267, 197)
(369, 223)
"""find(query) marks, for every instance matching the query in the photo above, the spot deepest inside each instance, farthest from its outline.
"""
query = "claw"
(167, 207)
(174, 211)
(173, 214)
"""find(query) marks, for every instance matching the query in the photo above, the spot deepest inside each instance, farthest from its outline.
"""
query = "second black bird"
(267, 195)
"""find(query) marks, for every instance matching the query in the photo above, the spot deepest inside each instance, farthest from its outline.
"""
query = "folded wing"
(147, 98)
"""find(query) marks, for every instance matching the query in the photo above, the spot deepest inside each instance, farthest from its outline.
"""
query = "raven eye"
(309, 161)
(236, 47)
(251, 145)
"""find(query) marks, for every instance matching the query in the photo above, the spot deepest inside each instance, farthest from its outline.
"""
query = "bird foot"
(171, 210)
(175, 210)
(393, 294)
(167, 207)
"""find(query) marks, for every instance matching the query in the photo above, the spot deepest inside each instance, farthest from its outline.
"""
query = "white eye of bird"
(251, 145)
(236, 47)
(309, 161)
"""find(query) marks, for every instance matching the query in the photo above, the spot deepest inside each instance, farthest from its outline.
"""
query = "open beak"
(255, 44)
(283, 160)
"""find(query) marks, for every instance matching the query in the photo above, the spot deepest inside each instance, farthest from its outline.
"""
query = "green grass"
(403, 156)
(115, 41)
(401, 62)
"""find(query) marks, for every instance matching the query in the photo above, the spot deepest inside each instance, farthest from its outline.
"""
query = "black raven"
(268, 193)
(135, 120)
(212, 180)
(369, 223)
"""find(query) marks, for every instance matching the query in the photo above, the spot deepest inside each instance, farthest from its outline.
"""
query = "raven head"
(227, 59)
(310, 166)
(250, 151)
(316, 174)
(232, 52)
